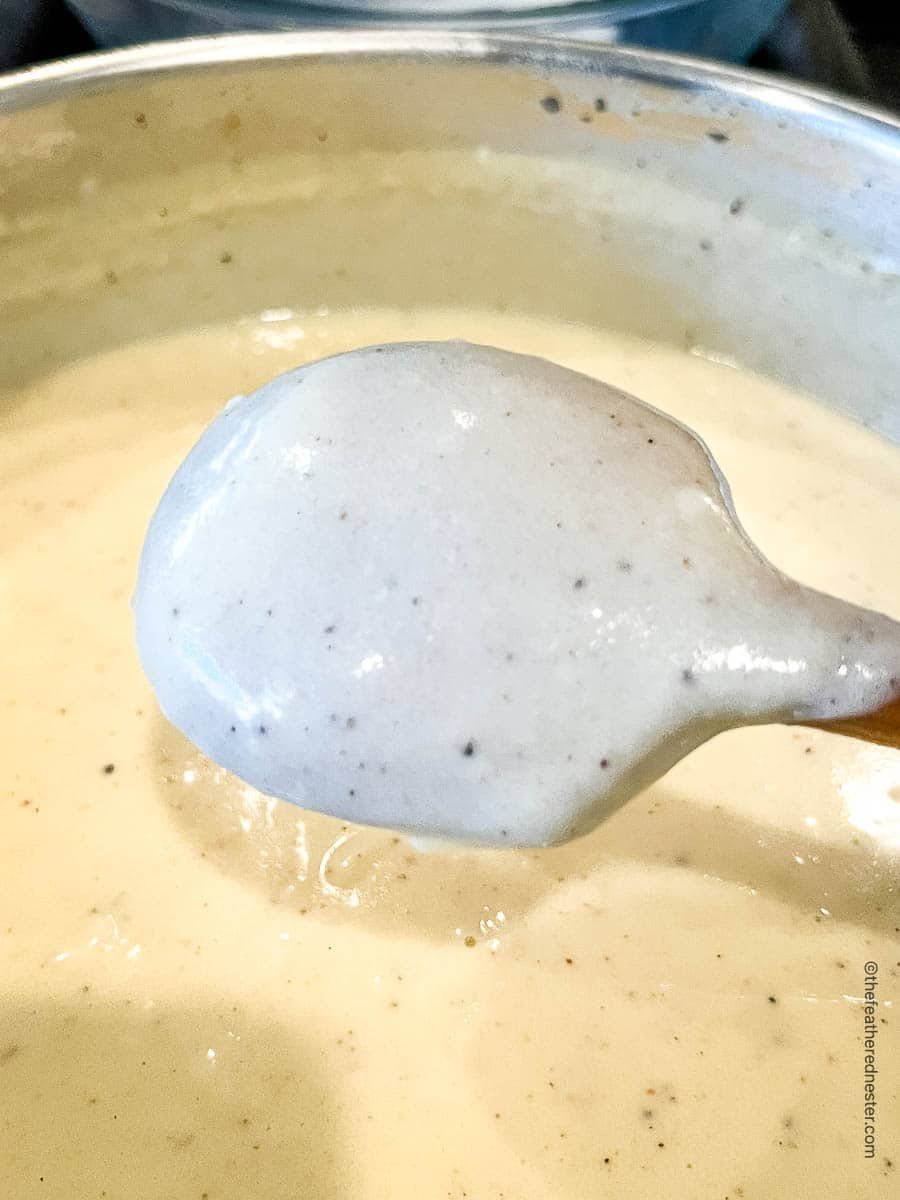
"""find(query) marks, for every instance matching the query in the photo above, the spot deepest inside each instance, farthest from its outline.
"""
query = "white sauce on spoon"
(473, 594)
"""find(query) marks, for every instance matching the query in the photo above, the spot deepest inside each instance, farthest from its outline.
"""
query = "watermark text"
(870, 1057)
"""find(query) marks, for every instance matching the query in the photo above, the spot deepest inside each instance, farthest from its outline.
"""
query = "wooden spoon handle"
(881, 727)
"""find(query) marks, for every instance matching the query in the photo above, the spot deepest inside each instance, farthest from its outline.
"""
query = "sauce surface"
(208, 992)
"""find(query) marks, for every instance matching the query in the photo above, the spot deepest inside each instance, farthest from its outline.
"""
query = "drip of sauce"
(516, 594)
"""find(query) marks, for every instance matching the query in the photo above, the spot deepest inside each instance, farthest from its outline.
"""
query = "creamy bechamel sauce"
(209, 993)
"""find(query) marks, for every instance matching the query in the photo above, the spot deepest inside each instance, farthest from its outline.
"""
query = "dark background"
(850, 45)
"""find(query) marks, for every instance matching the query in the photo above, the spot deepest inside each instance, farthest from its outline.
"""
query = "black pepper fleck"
(225, 257)
(717, 135)
(263, 730)
(109, 768)
(736, 206)
(550, 104)
(579, 582)
(469, 748)
(600, 106)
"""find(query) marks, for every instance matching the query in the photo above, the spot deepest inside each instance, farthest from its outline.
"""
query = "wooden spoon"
(881, 726)
(469, 593)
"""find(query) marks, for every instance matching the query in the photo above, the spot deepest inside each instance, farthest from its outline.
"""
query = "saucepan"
(207, 993)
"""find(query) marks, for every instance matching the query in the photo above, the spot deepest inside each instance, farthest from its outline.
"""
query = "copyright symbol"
(870, 968)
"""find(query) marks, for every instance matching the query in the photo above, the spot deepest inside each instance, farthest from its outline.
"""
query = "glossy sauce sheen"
(206, 991)
(462, 592)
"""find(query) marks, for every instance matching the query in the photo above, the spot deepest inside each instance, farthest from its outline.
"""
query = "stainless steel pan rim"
(37, 85)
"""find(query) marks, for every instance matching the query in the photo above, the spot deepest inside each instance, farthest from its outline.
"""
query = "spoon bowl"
(472, 594)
